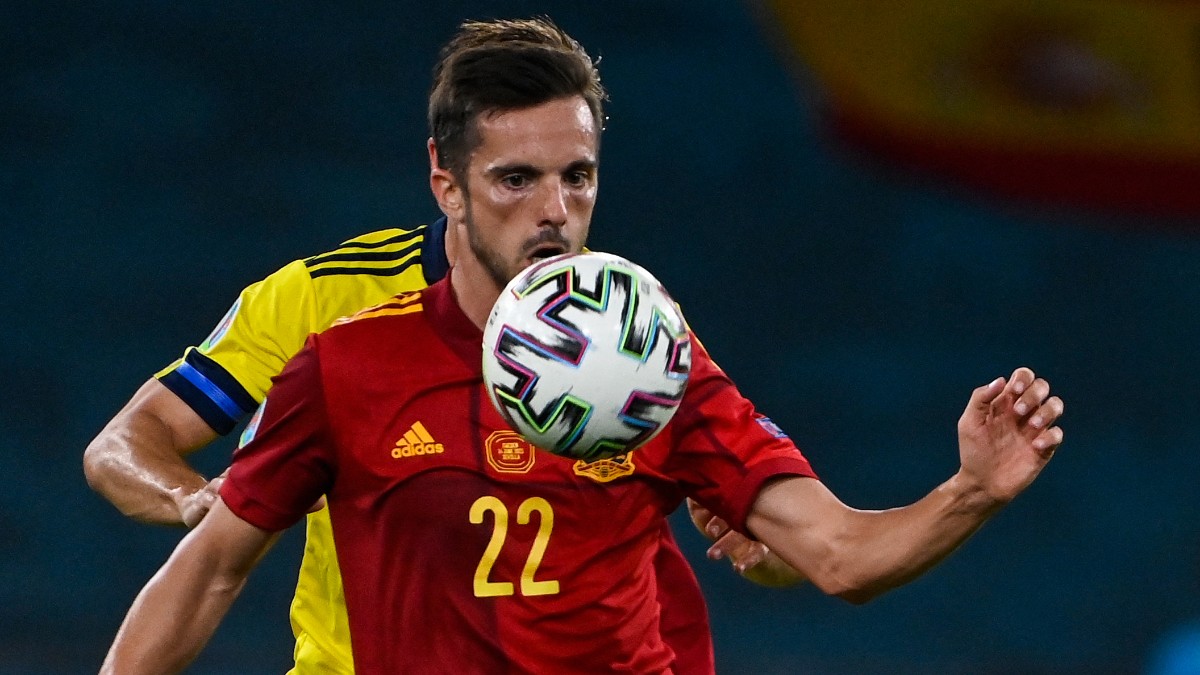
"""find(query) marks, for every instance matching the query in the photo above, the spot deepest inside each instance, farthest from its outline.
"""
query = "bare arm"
(136, 462)
(1006, 436)
(181, 606)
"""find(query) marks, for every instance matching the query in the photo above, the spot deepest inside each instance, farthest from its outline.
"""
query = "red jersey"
(462, 547)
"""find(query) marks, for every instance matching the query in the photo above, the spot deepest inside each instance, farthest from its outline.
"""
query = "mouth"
(544, 251)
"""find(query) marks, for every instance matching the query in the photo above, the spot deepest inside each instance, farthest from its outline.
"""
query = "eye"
(515, 180)
(578, 178)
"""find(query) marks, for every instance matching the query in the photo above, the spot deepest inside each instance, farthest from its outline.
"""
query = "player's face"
(530, 186)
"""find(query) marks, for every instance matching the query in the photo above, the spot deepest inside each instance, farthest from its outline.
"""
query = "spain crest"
(605, 470)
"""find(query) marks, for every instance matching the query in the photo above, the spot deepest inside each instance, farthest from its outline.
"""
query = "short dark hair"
(500, 65)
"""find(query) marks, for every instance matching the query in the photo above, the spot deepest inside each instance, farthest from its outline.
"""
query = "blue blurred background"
(157, 157)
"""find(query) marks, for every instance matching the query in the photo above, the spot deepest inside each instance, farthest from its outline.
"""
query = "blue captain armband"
(216, 396)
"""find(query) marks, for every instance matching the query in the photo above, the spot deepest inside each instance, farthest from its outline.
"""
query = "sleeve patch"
(222, 327)
(252, 426)
(771, 427)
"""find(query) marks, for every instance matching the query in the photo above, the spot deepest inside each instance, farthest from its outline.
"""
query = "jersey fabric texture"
(226, 376)
(463, 548)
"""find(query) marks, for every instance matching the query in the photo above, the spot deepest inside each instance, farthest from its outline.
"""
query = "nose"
(554, 204)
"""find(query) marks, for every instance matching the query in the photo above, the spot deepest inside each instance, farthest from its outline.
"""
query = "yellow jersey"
(227, 376)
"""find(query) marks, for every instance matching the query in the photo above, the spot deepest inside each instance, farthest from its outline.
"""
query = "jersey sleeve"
(288, 460)
(724, 449)
(224, 377)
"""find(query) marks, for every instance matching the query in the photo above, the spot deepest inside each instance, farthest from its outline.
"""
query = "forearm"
(172, 619)
(886, 549)
(180, 608)
(136, 469)
(136, 461)
(1006, 435)
(858, 555)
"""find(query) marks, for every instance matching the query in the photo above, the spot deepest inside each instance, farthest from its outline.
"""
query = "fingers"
(1048, 441)
(1029, 392)
(1041, 421)
(980, 405)
(741, 551)
(1045, 415)
(320, 504)
(1036, 409)
(1029, 396)
(197, 505)
(1024, 395)
(983, 396)
(752, 557)
(1032, 401)
(712, 526)
(700, 515)
(1021, 379)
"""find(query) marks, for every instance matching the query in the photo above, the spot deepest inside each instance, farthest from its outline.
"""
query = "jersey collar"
(434, 263)
(453, 326)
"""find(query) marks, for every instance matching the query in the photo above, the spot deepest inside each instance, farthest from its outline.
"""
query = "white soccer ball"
(585, 355)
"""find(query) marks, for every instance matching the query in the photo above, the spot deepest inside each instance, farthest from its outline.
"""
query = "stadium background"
(156, 157)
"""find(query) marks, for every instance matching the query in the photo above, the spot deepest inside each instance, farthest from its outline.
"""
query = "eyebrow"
(583, 165)
(530, 170)
(505, 169)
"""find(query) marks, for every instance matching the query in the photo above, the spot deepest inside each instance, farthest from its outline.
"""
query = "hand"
(195, 506)
(1007, 434)
(752, 559)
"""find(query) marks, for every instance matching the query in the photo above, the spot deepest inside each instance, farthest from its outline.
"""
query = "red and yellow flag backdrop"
(1093, 102)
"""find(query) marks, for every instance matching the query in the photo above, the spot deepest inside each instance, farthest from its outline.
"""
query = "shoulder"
(290, 279)
(382, 338)
(386, 253)
(381, 253)
(313, 292)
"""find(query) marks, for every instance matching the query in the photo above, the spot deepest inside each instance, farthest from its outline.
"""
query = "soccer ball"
(585, 355)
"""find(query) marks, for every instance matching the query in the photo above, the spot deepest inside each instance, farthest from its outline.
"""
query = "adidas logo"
(416, 441)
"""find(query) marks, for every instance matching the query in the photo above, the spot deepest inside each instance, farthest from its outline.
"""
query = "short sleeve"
(224, 377)
(723, 450)
(288, 461)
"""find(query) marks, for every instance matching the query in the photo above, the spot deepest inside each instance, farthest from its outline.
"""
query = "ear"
(444, 186)
(431, 147)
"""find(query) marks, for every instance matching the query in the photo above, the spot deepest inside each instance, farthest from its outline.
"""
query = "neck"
(474, 289)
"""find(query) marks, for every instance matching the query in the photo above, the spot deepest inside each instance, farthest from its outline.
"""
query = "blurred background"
(866, 209)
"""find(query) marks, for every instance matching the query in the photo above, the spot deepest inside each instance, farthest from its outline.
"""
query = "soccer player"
(459, 560)
(137, 460)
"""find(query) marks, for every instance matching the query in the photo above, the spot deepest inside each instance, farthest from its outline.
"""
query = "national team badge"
(605, 470)
(507, 452)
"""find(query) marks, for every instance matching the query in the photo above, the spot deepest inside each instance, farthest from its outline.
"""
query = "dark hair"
(494, 66)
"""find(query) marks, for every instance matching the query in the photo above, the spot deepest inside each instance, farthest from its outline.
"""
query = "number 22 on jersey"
(484, 587)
